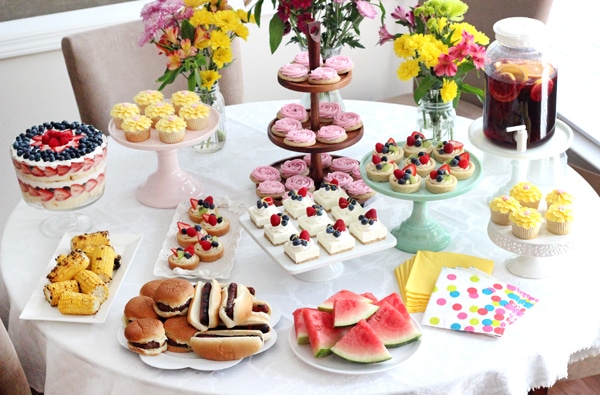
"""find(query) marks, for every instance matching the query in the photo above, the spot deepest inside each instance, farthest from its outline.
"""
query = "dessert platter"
(420, 231)
(38, 307)
(169, 184)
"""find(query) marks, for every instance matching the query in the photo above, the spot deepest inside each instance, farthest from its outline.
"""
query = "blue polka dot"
(455, 326)
(486, 321)
(454, 294)
(528, 304)
(503, 302)
(489, 307)
(487, 291)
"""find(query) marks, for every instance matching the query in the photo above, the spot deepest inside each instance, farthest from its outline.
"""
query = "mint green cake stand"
(420, 231)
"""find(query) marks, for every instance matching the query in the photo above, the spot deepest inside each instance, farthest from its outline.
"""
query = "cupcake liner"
(558, 228)
(138, 136)
(524, 233)
(170, 138)
(197, 123)
(500, 218)
(534, 204)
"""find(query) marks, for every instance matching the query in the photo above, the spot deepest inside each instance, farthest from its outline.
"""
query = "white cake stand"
(169, 185)
(536, 258)
(558, 143)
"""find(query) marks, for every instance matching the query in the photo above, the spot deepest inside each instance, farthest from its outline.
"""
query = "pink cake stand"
(169, 185)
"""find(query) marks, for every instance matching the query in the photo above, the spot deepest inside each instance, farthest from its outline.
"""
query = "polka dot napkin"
(473, 301)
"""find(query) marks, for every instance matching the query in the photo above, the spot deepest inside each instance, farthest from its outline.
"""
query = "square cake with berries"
(279, 229)
(315, 220)
(336, 238)
(260, 214)
(347, 209)
(300, 248)
(368, 229)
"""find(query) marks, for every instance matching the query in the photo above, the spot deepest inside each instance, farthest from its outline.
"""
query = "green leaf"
(425, 84)
(276, 28)
(257, 12)
(472, 89)
(187, 30)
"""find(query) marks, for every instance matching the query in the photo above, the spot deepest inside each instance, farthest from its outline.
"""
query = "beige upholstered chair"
(483, 14)
(107, 66)
(12, 375)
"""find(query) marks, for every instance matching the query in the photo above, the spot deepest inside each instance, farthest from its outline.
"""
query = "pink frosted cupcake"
(120, 111)
(295, 183)
(328, 111)
(344, 164)
(326, 159)
(350, 121)
(294, 111)
(171, 129)
(293, 167)
(196, 115)
(360, 191)
(343, 179)
(272, 189)
(282, 126)
(265, 173)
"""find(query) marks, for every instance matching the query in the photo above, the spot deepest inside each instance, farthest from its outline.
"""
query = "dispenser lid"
(519, 32)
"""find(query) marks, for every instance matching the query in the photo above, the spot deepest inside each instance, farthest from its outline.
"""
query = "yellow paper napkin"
(416, 276)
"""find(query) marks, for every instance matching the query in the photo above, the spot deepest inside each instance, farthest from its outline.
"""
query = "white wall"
(36, 87)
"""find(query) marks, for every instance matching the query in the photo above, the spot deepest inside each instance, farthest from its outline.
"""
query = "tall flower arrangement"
(195, 36)
(439, 49)
(340, 21)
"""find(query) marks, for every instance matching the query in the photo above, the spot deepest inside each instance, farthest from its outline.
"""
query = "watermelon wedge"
(395, 300)
(392, 327)
(321, 333)
(327, 305)
(361, 344)
(348, 312)
(300, 326)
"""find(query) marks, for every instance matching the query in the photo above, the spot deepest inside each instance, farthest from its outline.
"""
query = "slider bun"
(149, 288)
(227, 345)
(139, 307)
(242, 306)
(144, 331)
(179, 332)
(214, 300)
(173, 297)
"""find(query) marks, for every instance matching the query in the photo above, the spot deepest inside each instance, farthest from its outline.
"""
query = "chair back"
(107, 66)
(12, 375)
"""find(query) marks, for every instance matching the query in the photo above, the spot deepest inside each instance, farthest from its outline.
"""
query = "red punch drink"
(520, 92)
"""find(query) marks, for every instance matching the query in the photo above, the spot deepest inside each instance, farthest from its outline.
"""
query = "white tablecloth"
(86, 358)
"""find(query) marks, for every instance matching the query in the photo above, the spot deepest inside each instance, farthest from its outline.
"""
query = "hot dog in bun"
(236, 304)
(203, 313)
(227, 345)
(146, 336)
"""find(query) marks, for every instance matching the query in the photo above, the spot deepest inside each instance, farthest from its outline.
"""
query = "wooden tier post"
(313, 41)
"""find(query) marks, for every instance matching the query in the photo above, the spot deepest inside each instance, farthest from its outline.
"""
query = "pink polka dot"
(461, 316)
(469, 329)
(472, 290)
(482, 311)
(499, 331)
(456, 306)
(441, 301)
(496, 298)
(487, 328)
(474, 295)
(451, 277)
(498, 317)
(500, 311)
(498, 286)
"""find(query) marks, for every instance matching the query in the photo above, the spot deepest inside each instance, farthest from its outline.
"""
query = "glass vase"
(216, 141)
(331, 96)
(435, 119)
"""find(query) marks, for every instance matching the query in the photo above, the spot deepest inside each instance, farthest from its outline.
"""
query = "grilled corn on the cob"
(67, 265)
(103, 261)
(53, 291)
(88, 241)
(78, 303)
(91, 284)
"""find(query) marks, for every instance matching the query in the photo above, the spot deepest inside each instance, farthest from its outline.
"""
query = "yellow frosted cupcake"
(195, 115)
(137, 128)
(527, 194)
(559, 218)
(559, 196)
(501, 207)
(182, 98)
(158, 110)
(526, 223)
(171, 129)
(147, 97)
(120, 111)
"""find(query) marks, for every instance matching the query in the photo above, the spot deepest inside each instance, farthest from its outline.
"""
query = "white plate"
(335, 364)
(38, 308)
(220, 268)
(172, 360)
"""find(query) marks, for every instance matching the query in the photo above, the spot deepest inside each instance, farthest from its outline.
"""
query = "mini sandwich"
(139, 307)
(203, 313)
(149, 288)
(173, 297)
(179, 332)
(236, 304)
(146, 336)
(227, 345)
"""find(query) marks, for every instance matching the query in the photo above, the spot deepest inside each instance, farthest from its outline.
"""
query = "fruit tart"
(198, 207)
(380, 168)
(390, 150)
(187, 235)
(415, 143)
(423, 161)
(447, 149)
(461, 166)
(214, 224)
(209, 248)
(184, 258)
(440, 180)
(405, 180)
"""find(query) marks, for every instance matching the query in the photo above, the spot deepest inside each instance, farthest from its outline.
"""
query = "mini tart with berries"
(279, 229)
(336, 238)
(209, 248)
(315, 220)
(380, 169)
(440, 180)
(416, 143)
(187, 235)
(198, 207)
(405, 180)
(447, 149)
(296, 202)
(461, 166)
(300, 248)
(390, 150)
(214, 224)
(423, 161)
(368, 229)
(347, 209)
(261, 212)
(183, 258)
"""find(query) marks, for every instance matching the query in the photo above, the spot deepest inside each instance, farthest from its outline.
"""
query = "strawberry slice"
(343, 202)
(391, 141)
(340, 225)
(399, 174)
(90, 185)
(379, 147)
(36, 171)
(412, 167)
(211, 219)
(189, 249)
(445, 167)
(61, 194)
(304, 235)
(62, 170)
(194, 203)
(209, 200)
(463, 160)
(303, 191)
(376, 159)
(77, 189)
(311, 211)
(371, 214)
(49, 172)
(335, 182)
(174, 251)
(182, 225)
(456, 144)
(268, 200)
(46, 195)
(416, 133)
(275, 220)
